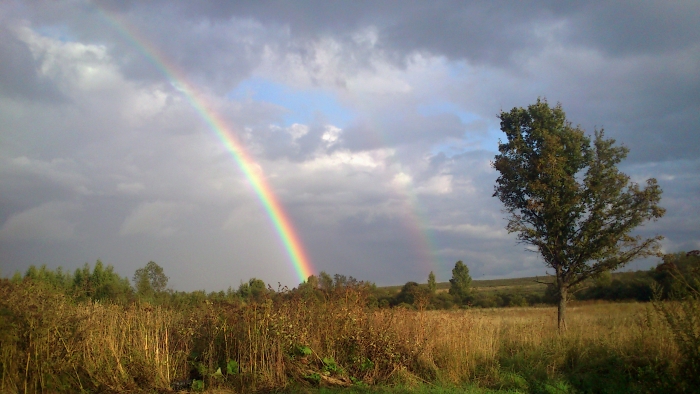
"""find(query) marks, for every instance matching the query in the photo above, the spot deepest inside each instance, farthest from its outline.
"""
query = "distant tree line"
(673, 278)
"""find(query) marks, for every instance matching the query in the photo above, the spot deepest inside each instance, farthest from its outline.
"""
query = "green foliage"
(329, 365)
(432, 284)
(197, 385)
(304, 350)
(325, 281)
(407, 294)
(17, 277)
(603, 278)
(568, 199)
(253, 290)
(150, 281)
(443, 301)
(99, 284)
(366, 364)
(678, 275)
(218, 374)
(310, 288)
(232, 367)
(460, 284)
(313, 377)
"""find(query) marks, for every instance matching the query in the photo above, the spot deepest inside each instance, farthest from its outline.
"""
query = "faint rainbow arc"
(415, 221)
(278, 217)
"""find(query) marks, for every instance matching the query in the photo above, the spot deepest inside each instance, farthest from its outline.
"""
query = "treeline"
(668, 280)
(672, 278)
(150, 285)
(101, 283)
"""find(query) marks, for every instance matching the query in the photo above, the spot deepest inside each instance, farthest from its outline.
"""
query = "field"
(303, 343)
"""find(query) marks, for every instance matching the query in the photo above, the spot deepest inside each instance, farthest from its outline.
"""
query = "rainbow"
(279, 218)
(417, 224)
(415, 220)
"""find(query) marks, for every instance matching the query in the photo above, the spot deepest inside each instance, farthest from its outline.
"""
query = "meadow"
(332, 340)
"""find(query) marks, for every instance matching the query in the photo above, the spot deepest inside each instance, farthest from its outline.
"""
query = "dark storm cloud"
(483, 32)
(480, 31)
(624, 28)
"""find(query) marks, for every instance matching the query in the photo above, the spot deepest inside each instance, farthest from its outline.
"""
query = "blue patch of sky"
(303, 106)
(470, 141)
(57, 32)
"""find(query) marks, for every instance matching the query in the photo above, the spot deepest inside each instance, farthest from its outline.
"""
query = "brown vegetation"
(52, 343)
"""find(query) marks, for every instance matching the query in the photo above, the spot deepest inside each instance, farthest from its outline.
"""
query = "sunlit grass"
(52, 344)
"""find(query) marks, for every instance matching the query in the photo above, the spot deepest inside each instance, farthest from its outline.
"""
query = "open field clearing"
(52, 344)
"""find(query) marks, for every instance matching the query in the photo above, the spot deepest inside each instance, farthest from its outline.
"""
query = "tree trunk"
(561, 309)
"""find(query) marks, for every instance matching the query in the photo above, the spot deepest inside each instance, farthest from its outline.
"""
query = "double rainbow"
(279, 218)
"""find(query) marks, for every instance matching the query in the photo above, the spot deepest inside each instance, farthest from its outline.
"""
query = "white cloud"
(86, 66)
(297, 130)
(439, 184)
(401, 180)
(366, 159)
(331, 134)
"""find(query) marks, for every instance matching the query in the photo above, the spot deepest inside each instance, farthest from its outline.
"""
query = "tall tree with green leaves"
(461, 282)
(150, 280)
(325, 281)
(432, 284)
(566, 196)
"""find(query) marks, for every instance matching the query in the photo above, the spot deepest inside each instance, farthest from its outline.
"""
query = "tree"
(408, 293)
(325, 281)
(309, 288)
(253, 290)
(461, 282)
(432, 285)
(678, 275)
(150, 280)
(568, 199)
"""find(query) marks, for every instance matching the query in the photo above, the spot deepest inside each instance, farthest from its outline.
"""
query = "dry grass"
(51, 344)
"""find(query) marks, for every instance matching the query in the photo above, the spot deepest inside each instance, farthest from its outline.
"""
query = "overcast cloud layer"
(374, 122)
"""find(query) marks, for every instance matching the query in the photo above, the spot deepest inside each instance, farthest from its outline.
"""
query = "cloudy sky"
(374, 123)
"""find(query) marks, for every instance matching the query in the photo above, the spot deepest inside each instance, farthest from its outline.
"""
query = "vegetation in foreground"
(314, 337)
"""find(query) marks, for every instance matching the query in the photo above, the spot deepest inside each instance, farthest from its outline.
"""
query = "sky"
(170, 131)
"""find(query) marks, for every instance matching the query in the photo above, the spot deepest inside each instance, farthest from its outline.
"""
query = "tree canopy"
(150, 280)
(460, 284)
(432, 284)
(566, 196)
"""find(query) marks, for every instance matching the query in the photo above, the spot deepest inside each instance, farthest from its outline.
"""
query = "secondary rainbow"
(278, 217)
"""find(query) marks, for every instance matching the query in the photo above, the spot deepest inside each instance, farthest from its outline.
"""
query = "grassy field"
(299, 343)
